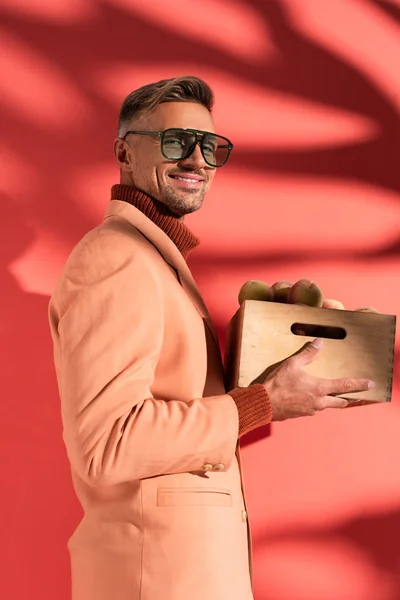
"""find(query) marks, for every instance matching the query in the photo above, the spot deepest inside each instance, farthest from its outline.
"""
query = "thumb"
(309, 351)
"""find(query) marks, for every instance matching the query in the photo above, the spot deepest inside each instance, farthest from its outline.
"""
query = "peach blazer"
(150, 433)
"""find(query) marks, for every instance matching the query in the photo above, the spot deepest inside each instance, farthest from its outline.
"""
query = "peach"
(281, 290)
(255, 290)
(306, 292)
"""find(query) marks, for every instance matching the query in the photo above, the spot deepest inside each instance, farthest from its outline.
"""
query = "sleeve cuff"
(254, 407)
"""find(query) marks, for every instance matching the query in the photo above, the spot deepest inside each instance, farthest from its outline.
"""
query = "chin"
(182, 206)
(182, 211)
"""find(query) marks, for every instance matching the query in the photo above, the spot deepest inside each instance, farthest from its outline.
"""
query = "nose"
(195, 160)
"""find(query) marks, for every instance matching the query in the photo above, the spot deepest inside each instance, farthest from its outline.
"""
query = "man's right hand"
(295, 393)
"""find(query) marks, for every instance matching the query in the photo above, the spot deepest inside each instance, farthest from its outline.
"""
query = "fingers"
(345, 386)
(332, 304)
(308, 352)
(332, 402)
(369, 309)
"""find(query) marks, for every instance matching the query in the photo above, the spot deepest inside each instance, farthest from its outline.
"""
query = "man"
(151, 433)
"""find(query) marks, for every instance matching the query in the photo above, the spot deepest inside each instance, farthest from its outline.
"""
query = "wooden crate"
(260, 335)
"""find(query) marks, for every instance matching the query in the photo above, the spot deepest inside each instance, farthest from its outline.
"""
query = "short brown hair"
(178, 89)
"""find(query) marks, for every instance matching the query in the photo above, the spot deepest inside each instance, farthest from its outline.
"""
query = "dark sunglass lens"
(216, 150)
(176, 143)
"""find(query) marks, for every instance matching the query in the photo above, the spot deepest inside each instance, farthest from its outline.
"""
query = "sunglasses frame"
(195, 132)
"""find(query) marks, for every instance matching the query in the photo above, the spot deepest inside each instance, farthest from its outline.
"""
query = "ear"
(122, 154)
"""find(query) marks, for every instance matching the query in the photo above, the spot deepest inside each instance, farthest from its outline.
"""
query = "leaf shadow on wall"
(374, 538)
(392, 9)
(312, 72)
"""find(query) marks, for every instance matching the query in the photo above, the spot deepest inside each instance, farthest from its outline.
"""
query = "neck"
(161, 215)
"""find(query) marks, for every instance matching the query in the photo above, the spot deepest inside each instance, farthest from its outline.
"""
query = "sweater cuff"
(254, 407)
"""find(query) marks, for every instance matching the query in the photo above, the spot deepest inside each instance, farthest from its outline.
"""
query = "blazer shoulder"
(108, 247)
(113, 247)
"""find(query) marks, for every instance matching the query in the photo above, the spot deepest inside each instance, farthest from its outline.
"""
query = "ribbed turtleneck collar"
(157, 212)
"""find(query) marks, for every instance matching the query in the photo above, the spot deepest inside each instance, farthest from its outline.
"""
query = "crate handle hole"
(320, 331)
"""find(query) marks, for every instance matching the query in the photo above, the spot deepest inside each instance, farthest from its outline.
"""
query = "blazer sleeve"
(108, 333)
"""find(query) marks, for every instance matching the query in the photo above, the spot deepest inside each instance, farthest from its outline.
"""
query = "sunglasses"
(178, 144)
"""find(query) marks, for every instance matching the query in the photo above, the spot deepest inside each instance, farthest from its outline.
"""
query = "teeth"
(187, 179)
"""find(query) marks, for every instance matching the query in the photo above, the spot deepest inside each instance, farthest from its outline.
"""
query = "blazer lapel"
(168, 251)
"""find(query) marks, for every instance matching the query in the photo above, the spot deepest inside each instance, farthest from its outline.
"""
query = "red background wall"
(309, 91)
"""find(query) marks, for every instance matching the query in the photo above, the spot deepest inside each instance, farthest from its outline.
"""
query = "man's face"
(180, 185)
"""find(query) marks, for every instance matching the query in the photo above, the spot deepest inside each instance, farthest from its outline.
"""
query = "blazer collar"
(165, 247)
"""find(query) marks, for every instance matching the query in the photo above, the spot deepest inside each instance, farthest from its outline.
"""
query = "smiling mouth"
(187, 179)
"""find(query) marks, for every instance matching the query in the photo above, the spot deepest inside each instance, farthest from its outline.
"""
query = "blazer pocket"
(193, 497)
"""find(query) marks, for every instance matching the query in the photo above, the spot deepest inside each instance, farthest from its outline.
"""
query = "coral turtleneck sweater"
(253, 404)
